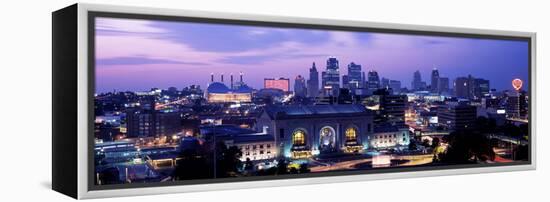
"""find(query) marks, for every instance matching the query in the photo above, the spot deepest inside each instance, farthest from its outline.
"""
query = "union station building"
(305, 131)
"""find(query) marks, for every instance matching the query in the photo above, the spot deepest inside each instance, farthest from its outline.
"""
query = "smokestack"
(231, 80)
(222, 77)
(241, 74)
(211, 77)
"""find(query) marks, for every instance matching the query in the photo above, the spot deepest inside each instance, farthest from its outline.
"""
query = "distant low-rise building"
(388, 136)
(253, 145)
(147, 123)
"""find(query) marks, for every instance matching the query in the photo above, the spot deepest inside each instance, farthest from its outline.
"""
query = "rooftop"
(316, 110)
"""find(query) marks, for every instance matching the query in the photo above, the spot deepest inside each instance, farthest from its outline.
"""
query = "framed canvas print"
(149, 101)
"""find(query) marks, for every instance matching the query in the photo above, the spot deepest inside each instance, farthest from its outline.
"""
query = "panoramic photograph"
(182, 101)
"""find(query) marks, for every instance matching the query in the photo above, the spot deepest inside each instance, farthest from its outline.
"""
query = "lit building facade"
(304, 131)
(218, 92)
(255, 146)
(386, 137)
(280, 83)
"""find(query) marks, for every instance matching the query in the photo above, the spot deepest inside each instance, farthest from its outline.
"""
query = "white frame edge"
(82, 86)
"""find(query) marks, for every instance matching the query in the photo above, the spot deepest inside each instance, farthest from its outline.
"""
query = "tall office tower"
(392, 108)
(513, 102)
(331, 78)
(417, 83)
(481, 88)
(300, 86)
(354, 77)
(345, 82)
(313, 82)
(280, 83)
(385, 83)
(462, 87)
(443, 85)
(435, 81)
(395, 85)
(373, 82)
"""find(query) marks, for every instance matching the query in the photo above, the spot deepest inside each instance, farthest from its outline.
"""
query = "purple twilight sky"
(138, 55)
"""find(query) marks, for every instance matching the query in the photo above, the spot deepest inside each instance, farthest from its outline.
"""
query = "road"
(412, 160)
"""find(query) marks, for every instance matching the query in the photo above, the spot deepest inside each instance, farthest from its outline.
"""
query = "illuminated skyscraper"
(443, 85)
(354, 77)
(470, 87)
(481, 88)
(385, 83)
(373, 82)
(435, 81)
(300, 86)
(313, 82)
(331, 78)
(462, 87)
(395, 85)
(417, 83)
(392, 108)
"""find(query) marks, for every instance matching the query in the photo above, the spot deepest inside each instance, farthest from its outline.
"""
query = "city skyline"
(164, 54)
(326, 103)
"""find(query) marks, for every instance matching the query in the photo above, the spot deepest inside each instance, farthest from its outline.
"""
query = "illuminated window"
(351, 134)
(299, 137)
